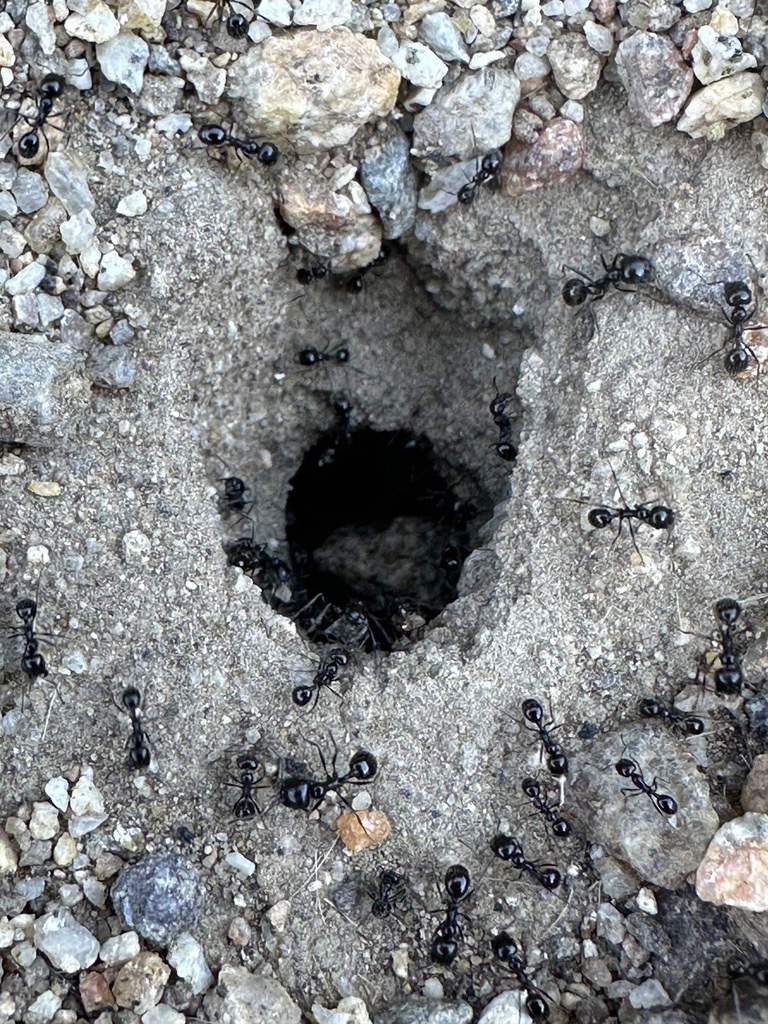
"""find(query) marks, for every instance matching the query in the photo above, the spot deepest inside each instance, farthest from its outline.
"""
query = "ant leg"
(567, 266)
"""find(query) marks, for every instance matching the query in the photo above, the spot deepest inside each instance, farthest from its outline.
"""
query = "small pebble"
(239, 931)
(133, 205)
(116, 272)
(57, 791)
(236, 860)
(65, 850)
(119, 949)
(362, 830)
(140, 982)
(9, 859)
(96, 993)
(419, 65)
(96, 24)
(185, 955)
(67, 177)
(68, 945)
(656, 78)
(26, 280)
(734, 870)
(44, 823)
(44, 488)
(123, 59)
(716, 108)
(29, 190)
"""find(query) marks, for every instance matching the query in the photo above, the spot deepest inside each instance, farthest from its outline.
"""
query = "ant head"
(693, 726)
(600, 517)
(532, 711)
(212, 135)
(650, 708)
(342, 355)
(363, 766)
(666, 804)
(729, 678)
(26, 609)
(625, 766)
(660, 517)
(139, 757)
(635, 269)
(491, 162)
(550, 878)
(296, 794)
(727, 609)
(507, 451)
(737, 293)
(51, 86)
(234, 486)
(308, 356)
(302, 695)
(537, 1007)
(561, 828)
(504, 947)
(575, 292)
(29, 144)
(131, 698)
(247, 763)
(530, 787)
(457, 881)
(466, 193)
(237, 25)
(557, 762)
(506, 848)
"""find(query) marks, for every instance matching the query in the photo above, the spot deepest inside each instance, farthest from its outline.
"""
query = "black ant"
(533, 712)
(49, 90)
(506, 952)
(391, 889)
(306, 275)
(488, 173)
(300, 793)
(741, 307)
(508, 849)
(629, 769)
(245, 805)
(682, 722)
(313, 356)
(445, 941)
(215, 135)
(503, 447)
(560, 826)
(32, 661)
(729, 676)
(234, 494)
(325, 675)
(236, 23)
(624, 270)
(657, 516)
(139, 756)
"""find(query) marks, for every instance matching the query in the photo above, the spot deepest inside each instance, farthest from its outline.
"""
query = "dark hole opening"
(377, 536)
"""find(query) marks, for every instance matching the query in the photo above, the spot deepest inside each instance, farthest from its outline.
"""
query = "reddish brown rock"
(555, 156)
(96, 993)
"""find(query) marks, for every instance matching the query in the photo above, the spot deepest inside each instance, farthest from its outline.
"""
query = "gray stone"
(43, 1009)
(39, 22)
(76, 332)
(44, 823)
(279, 12)
(95, 23)
(576, 66)
(241, 997)
(123, 60)
(442, 36)
(418, 1010)
(119, 949)
(44, 227)
(656, 78)
(26, 280)
(112, 366)
(610, 924)
(316, 88)
(12, 242)
(649, 995)
(67, 176)
(442, 190)
(116, 272)
(390, 181)
(122, 333)
(30, 370)
(29, 190)
(57, 789)
(599, 37)
(8, 207)
(468, 117)
(160, 896)
(77, 232)
(716, 108)
(208, 80)
(68, 945)
(662, 849)
(324, 14)
(652, 15)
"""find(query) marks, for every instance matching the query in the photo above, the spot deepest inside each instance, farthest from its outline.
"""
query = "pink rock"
(555, 156)
(734, 870)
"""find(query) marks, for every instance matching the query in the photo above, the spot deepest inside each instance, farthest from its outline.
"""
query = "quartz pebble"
(133, 205)
(142, 15)
(350, 1010)
(324, 14)
(442, 36)
(186, 956)
(419, 65)
(29, 190)
(44, 823)
(506, 1008)
(38, 22)
(238, 991)
(119, 949)
(285, 87)
(116, 272)
(57, 791)
(68, 945)
(26, 280)
(208, 80)
(599, 37)
(123, 59)
(723, 105)
(44, 1008)
(716, 56)
(67, 177)
(734, 869)
(654, 75)
(96, 23)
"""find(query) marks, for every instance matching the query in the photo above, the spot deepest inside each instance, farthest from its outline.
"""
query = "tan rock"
(734, 870)
(360, 830)
(754, 795)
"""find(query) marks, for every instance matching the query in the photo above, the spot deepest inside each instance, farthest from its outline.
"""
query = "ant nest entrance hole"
(377, 537)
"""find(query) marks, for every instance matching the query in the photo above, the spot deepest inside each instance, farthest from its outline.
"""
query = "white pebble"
(240, 863)
(133, 205)
(116, 272)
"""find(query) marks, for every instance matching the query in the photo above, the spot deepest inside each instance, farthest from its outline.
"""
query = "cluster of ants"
(628, 272)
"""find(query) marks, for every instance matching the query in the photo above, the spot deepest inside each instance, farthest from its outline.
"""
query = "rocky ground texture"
(150, 321)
